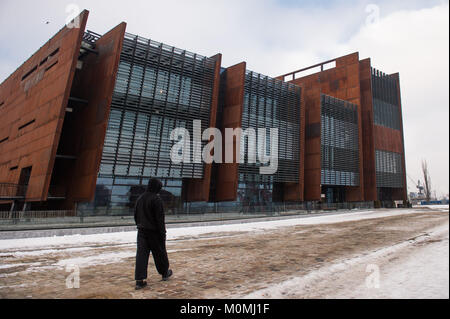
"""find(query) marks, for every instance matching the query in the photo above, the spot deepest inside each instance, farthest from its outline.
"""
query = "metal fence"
(257, 209)
(37, 214)
(29, 220)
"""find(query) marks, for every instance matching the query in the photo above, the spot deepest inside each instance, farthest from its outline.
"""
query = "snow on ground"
(443, 208)
(109, 258)
(106, 258)
(35, 253)
(129, 238)
(11, 266)
(94, 244)
(423, 274)
(418, 268)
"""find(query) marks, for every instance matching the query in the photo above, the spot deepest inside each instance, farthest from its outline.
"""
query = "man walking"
(150, 221)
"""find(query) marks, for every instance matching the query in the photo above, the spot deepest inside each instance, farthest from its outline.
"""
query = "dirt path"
(217, 265)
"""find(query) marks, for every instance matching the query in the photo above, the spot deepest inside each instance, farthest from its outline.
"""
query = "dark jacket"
(149, 210)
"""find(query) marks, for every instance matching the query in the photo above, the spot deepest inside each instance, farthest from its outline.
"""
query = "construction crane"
(420, 187)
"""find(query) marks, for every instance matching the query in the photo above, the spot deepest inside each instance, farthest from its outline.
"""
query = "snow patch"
(103, 259)
(11, 266)
(404, 280)
(443, 208)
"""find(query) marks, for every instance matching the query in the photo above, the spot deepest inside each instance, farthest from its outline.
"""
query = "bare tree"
(427, 180)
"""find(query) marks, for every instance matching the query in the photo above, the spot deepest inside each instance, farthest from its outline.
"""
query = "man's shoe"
(141, 284)
(168, 275)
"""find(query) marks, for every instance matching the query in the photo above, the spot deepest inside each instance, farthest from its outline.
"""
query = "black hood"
(154, 186)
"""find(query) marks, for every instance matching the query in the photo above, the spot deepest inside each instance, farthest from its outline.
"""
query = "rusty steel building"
(252, 100)
(86, 121)
(377, 127)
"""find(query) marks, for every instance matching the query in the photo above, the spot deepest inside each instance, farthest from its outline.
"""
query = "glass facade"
(389, 172)
(119, 195)
(158, 88)
(270, 103)
(389, 169)
(385, 100)
(339, 142)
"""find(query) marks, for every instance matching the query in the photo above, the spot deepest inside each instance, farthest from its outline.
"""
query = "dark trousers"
(154, 242)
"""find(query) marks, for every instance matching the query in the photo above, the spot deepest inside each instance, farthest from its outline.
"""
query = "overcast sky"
(278, 36)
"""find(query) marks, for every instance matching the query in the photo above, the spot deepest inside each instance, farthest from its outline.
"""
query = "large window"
(389, 169)
(340, 142)
(385, 100)
(158, 88)
(119, 195)
(271, 103)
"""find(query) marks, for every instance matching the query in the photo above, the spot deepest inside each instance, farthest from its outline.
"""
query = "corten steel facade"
(34, 100)
(54, 111)
(252, 100)
(86, 121)
(382, 171)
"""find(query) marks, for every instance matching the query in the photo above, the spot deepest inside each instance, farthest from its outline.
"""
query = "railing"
(29, 220)
(321, 65)
(37, 214)
(12, 191)
(91, 37)
(231, 209)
